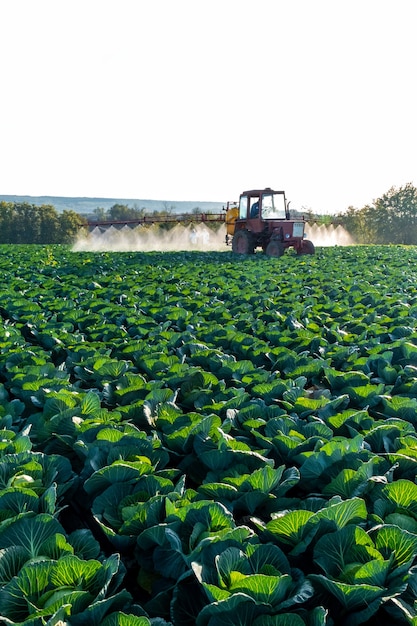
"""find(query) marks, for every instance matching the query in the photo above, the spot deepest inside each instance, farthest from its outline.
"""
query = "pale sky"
(199, 100)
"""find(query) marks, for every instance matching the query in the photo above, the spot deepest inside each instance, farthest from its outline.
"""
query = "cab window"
(273, 206)
(243, 207)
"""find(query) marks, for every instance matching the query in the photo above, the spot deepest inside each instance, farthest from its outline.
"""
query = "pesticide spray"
(329, 235)
(147, 238)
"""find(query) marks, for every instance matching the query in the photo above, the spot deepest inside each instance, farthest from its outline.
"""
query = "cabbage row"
(199, 439)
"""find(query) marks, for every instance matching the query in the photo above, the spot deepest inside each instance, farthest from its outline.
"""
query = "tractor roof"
(258, 192)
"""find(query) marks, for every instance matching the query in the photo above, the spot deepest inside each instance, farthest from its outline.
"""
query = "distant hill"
(87, 205)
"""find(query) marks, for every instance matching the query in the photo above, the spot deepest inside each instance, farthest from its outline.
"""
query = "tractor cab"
(263, 204)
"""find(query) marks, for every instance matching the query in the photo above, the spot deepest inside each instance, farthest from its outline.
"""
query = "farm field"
(198, 438)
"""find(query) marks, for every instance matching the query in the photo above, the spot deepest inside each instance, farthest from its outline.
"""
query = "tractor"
(262, 219)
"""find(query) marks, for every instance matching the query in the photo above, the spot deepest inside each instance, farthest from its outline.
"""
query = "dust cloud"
(152, 238)
(328, 235)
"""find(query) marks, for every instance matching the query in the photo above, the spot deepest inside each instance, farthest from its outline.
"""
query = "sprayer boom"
(183, 218)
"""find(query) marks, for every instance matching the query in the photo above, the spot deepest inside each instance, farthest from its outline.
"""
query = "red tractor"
(262, 219)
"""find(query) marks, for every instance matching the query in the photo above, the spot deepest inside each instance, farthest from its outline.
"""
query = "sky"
(200, 100)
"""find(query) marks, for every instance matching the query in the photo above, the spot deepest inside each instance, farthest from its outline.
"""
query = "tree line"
(120, 212)
(22, 222)
(390, 219)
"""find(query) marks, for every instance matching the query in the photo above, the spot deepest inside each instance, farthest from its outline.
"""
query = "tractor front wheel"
(307, 247)
(274, 248)
(243, 242)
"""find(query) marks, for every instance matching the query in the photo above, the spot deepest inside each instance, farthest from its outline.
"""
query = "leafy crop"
(200, 439)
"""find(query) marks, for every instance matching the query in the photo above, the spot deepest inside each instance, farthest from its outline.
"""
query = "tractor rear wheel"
(243, 242)
(307, 247)
(274, 248)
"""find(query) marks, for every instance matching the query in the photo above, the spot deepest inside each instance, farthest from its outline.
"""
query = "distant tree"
(25, 223)
(49, 230)
(6, 216)
(70, 223)
(168, 209)
(100, 213)
(122, 212)
(355, 222)
(396, 215)
(392, 218)
(325, 219)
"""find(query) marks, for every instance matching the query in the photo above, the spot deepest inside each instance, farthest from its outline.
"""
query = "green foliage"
(390, 219)
(124, 212)
(30, 224)
(244, 440)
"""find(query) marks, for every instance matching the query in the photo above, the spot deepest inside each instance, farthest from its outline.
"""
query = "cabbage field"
(204, 439)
